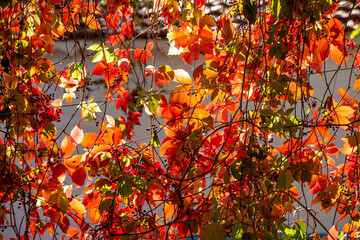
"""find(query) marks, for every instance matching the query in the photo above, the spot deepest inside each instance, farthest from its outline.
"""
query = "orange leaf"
(142, 55)
(68, 146)
(99, 69)
(169, 210)
(357, 83)
(179, 36)
(294, 192)
(180, 94)
(89, 140)
(71, 232)
(333, 233)
(344, 111)
(100, 148)
(226, 28)
(163, 75)
(73, 163)
(77, 206)
(94, 213)
(338, 54)
(344, 94)
(330, 161)
(348, 228)
(89, 13)
(351, 143)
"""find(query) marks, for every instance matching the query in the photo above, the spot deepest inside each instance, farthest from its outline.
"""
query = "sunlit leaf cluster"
(239, 143)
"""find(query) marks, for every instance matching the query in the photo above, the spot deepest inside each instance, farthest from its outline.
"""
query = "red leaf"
(115, 39)
(127, 28)
(59, 172)
(331, 149)
(142, 55)
(99, 69)
(79, 177)
(357, 60)
(317, 184)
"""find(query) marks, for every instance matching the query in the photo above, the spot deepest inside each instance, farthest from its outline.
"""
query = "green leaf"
(153, 105)
(290, 232)
(355, 32)
(268, 236)
(250, 11)
(155, 142)
(277, 50)
(214, 231)
(60, 200)
(127, 160)
(77, 71)
(105, 205)
(109, 56)
(286, 9)
(276, 8)
(237, 232)
(249, 236)
(125, 187)
(301, 225)
(267, 112)
(285, 179)
(235, 172)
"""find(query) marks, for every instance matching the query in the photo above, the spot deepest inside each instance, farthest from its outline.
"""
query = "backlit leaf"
(79, 177)
(77, 134)
(77, 206)
(181, 76)
(351, 143)
(68, 146)
(169, 210)
(93, 208)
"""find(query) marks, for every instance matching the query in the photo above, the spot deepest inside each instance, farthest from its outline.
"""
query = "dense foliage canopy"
(239, 142)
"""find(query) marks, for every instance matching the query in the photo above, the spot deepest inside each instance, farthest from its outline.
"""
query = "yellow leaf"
(77, 206)
(344, 111)
(182, 76)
